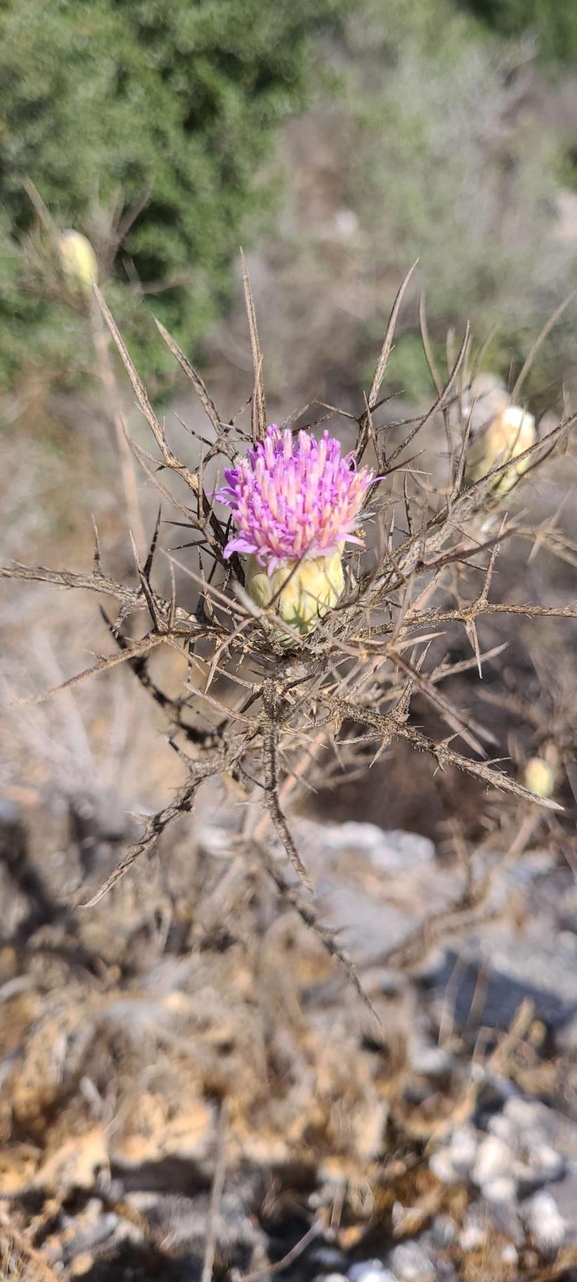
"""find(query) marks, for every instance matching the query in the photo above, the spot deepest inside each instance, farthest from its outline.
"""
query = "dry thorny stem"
(261, 715)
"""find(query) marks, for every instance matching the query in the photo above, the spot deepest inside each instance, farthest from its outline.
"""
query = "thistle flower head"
(293, 499)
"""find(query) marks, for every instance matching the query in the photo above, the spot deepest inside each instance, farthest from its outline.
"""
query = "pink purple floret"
(293, 498)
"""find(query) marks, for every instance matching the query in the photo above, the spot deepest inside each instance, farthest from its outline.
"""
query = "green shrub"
(442, 167)
(554, 22)
(105, 101)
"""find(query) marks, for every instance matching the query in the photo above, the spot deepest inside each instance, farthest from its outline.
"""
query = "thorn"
(153, 545)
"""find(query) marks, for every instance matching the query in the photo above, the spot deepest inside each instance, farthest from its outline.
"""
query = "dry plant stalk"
(312, 705)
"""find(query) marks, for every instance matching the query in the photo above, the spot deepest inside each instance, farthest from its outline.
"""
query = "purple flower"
(293, 498)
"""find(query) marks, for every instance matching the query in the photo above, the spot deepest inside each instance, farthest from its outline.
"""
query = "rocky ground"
(185, 1063)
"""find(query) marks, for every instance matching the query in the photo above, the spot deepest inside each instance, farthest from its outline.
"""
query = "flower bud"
(507, 436)
(78, 262)
(306, 590)
(539, 777)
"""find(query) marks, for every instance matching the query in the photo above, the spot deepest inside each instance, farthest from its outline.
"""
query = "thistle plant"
(306, 650)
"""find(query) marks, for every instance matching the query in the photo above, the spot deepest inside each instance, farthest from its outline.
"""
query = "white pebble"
(522, 1113)
(430, 1061)
(411, 1264)
(471, 1237)
(500, 1125)
(500, 1191)
(494, 1159)
(464, 1146)
(544, 1221)
(453, 1162)
(510, 1255)
(441, 1164)
(369, 1271)
(545, 1163)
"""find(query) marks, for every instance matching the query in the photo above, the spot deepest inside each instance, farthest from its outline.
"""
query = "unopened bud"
(539, 777)
(301, 594)
(500, 441)
(78, 262)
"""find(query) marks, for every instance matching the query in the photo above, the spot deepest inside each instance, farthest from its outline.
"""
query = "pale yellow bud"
(78, 262)
(306, 591)
(539, 777)
(503, 439)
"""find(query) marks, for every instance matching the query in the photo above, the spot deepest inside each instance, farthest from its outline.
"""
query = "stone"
(501, 1126)
(541, 1136)
(393, 851)
(369, 1271)
(501, 1190)
(446, 1272)
(454, 1162)
(564, 1195)
(472, 1237)
(402, 851)
(464, 1148)
(544, 1221)
(430, 1061)
(541, 1164)
(494, 1160)
(327, 1259)
(443, 1231)
(410, 1263)
(442, 1165)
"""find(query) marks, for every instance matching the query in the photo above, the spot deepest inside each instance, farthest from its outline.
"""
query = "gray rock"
(410, 1263)
(544, 1221)
(368, 926)
(514, 963)
(537, 1124)
(446, 1272)
(443, 1231)
(393, 851)
(402, 851)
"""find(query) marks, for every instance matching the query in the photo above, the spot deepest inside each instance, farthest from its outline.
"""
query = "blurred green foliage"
(170, 105)
(553, 22)
(445, 165)
(165, 114)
